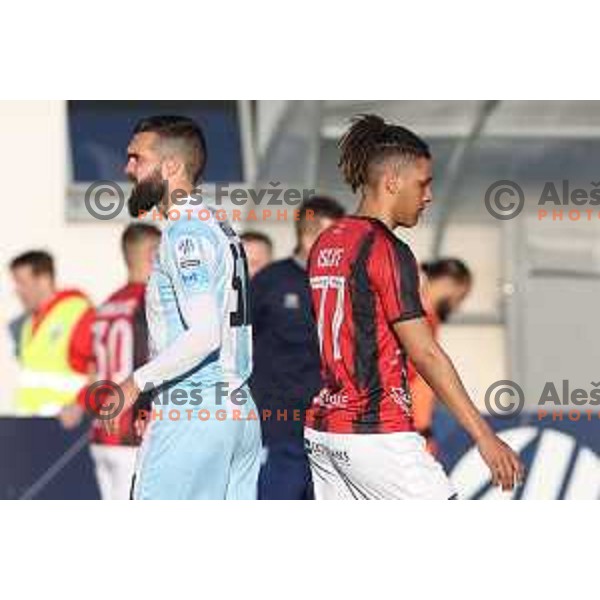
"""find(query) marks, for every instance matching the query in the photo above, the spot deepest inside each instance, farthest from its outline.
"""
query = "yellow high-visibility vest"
(47, 382)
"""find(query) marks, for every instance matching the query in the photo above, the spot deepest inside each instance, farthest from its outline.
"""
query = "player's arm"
(438, 371)
(201, 338)
(393, 272)
(423, 403)
(192, 277)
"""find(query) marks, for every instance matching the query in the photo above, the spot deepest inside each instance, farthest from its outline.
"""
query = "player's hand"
(504, 464)
(70, 416)
(128, 394)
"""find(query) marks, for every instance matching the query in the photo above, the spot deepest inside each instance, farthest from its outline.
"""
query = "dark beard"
(146, 195)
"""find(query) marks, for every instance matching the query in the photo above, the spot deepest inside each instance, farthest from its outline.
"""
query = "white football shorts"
(384, 466)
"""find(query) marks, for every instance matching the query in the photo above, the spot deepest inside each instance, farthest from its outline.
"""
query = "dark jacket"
(286, 371)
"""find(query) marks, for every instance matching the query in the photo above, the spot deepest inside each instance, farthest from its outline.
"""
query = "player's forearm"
(438, 371)
(190, 349)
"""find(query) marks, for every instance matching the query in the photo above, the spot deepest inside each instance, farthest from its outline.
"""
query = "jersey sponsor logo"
(558, 466)
(401, 397)
(188, 252)
(326, 398)
(193, 270)
(197, 279)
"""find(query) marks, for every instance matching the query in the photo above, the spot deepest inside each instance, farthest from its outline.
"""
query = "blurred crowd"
(64, 345)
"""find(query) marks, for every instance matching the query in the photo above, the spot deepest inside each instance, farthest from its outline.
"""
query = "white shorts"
(115, 466)
(383, 466)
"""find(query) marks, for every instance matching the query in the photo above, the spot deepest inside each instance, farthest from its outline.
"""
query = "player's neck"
(371, 208)
(175, 189)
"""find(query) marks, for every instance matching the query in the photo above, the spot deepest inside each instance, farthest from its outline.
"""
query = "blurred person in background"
(444, 283)
(259, 251)
(120, 344)
(286, 356)
(54, 346)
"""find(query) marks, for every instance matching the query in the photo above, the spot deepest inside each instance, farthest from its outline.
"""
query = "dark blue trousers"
(285, 474)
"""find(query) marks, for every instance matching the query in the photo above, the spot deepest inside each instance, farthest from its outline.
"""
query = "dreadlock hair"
(369, 142)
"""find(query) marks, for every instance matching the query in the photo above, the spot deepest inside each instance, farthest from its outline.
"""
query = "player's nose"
(129, 171)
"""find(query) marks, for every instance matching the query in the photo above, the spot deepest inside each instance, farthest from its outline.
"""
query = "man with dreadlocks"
(360, 435)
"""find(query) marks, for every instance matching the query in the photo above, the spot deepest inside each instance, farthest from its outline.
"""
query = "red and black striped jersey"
(120, 345)
(363, 280)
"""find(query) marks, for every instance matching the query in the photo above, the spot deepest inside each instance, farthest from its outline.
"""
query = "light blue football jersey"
(196, 458)
(199, 256)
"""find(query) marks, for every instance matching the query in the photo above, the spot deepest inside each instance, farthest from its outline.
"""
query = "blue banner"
(561, 455)
(40, 460)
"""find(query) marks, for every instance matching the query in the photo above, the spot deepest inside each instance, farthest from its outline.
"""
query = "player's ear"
(391, 180)
(172, 167)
